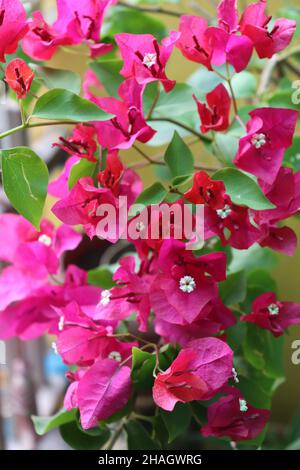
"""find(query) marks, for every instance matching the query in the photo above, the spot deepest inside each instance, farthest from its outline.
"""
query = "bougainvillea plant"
(186, 331)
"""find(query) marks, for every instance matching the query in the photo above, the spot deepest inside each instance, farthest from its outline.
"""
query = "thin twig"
(159, 10)
(202, 137)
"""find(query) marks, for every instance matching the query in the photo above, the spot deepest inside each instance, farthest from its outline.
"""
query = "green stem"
(153, 104)
(159, 10)
(27, 125)
(202, 137)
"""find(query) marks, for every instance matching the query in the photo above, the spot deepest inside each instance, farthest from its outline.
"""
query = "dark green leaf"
(44, 424)
(108, 72)
(178, 157)
(81, 169)
(177, 421)
(25, 182)
(155, 194)
(233, 290)
(101, 277)
(138, 437)
(55, 78)
(243, 189)
(80, 440)
(62, 104)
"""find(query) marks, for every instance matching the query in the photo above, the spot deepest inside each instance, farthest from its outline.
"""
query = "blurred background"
(32, 380)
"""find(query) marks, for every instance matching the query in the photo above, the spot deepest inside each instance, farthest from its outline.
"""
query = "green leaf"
(138, 437)
(59, 104)
(101, 277)
(233, 290)
(108, 72)
(264, 352)
(81, 169)
(177, 421)
(292, 155)
(243, 189)
(44, 424)
(155, 194)
(252, 258)
(178, 157)
(244, 84)
(25, 182)
(225, 148)
(55, 78)
(136, 23)
(81, 440)
(203, 81)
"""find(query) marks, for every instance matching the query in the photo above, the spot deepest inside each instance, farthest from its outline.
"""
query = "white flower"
(115, 355)
(149, 59)
(105, 297)
(45, 239)
(235, 375)
(243, 405)
(54, 347)
(273, 309)
(187, 284)
(258, 140)
(225, 212)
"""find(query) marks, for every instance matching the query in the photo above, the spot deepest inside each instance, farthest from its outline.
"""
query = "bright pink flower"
(42, 40)
(81, 143)
(40, 309)
(185, 284)
(81, 206)
(215, 114)
(13, 26)
(233, 417)
(129, 123)
(103, 390)
(82, 340)
(273, 315)
(206, 191)
(269, 132)
(131, 295)
(90, 81)
(76, 22)
(267, 41)
(19, 77)
(144, 59)
(228, 15)
(198, 373)
(232, 224)
(214, 317)
(213, 45)
(281, 239)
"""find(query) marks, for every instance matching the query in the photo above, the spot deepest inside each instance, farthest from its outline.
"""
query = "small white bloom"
(45, 239)
(187, 284)
(243, 405)
(225, 212)
(149, 59)
(273, 309)
(235, 375)
(258, 140)
(61, 323)
(140, 226)
(115, 355)
(54, 347)
(105, 298)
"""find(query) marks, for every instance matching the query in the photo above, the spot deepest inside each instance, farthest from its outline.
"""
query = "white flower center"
(54, 347)
(149, 59)
(45, 239)
(187, 284)
(61, 323)
(273, 309)
(243, 405)
(225, 212)
(235, 376)
(105, 297)
(115, 355)
(140, 226)
(258, 140)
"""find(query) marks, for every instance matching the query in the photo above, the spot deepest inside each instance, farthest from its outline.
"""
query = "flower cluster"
(165, 291)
